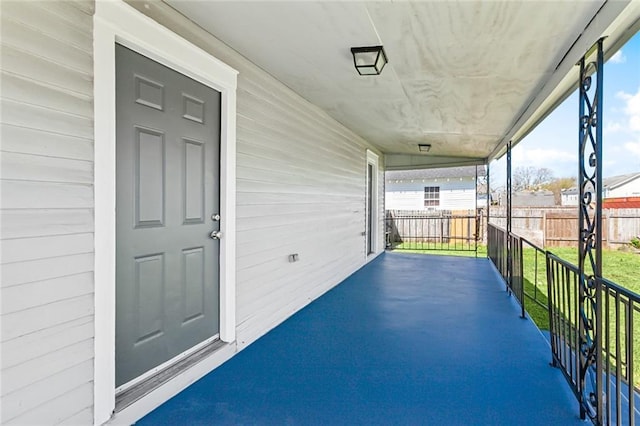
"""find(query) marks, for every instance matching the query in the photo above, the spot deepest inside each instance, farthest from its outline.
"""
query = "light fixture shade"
(369, 60)
(424, 147)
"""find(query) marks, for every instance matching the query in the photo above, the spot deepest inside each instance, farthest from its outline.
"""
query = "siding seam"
(46, 108)
(49, 35)
(83, 72)
(44, 84)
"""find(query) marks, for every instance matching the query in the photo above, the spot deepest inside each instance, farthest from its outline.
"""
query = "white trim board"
(117, 22)
(373, 159)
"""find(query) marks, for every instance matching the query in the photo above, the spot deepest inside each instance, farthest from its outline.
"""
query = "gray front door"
(167, 191)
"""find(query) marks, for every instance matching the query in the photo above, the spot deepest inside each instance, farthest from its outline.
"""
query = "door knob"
(215, 217)
(216, 235)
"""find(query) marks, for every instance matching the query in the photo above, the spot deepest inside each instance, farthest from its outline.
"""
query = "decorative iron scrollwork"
(590, 244)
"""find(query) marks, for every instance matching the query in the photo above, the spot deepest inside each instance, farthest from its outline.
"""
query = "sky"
(554, 143)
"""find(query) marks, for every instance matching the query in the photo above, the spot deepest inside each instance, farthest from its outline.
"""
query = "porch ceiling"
(464, 77)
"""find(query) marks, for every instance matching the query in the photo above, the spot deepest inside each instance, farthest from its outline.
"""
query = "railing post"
(508, 242)
(590, 236)
(488, 202)
(476, 215)
(521, 277)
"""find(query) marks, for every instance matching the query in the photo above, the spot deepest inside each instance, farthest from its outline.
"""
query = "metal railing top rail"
(563, 262)
(533, 245)
(632, 295)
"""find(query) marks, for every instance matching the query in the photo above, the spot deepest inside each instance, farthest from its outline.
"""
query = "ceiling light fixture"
(424, 147)
(369, 60)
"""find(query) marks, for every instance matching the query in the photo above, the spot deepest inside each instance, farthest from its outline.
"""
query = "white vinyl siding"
(301, 188)
(454, 194)
(47, 212)
(628, 189)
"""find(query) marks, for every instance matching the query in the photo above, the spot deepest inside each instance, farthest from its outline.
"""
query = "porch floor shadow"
(406, 340)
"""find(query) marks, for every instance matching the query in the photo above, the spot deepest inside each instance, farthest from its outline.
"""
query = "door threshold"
(146, 386)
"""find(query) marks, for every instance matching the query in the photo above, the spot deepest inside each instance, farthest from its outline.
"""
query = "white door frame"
(115, 21)
(373, 160)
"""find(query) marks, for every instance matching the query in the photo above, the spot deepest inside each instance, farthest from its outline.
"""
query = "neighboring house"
(433, 189)
(533, 199)
(627, 185)
(622, 186)
(570, 197)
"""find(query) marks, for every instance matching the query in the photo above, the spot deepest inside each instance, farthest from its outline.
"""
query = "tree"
(557, 185)
(530, 178)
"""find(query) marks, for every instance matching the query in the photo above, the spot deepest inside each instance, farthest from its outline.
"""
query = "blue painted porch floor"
(406, 340)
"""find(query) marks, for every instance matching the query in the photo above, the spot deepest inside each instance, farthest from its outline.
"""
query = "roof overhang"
(617, 22)
(464, 77)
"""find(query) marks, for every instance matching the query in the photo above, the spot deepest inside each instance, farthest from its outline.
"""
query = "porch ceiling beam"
(413, 162)
(616, 20)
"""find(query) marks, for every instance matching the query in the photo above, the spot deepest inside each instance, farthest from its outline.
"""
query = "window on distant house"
(431, 196)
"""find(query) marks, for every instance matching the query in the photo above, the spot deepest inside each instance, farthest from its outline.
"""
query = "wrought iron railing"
(516, 279)
(562, 292)
(619, 316)
(535, 274)
(497, 248)
(416, 230)
(509, 265)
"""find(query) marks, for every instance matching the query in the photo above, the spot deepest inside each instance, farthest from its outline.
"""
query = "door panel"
(167, 189)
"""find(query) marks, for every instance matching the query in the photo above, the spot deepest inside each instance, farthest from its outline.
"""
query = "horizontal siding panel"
(29, 141)
(32, 320)
(43, 342)
(16, 62)
(20, 297)
(20, 90)
(38, 44)
(289, 124)
(36, 18)
(303, 223)
(259, 199)
(262, 87)
(24, 249)
(264, 138)
(46, 195)
(46, 284)
(29, 372)
(312, 253)
(298, 135)
(84, 417)
(25, 223)
(343, 218)
(78, 13)
(45, 169)
(44, 269)
(292, 179)
(42, 402)
(306, 166)
(39, 118)
(299, 209)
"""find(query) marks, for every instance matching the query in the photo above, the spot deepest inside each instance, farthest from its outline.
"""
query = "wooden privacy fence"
(558, 226)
